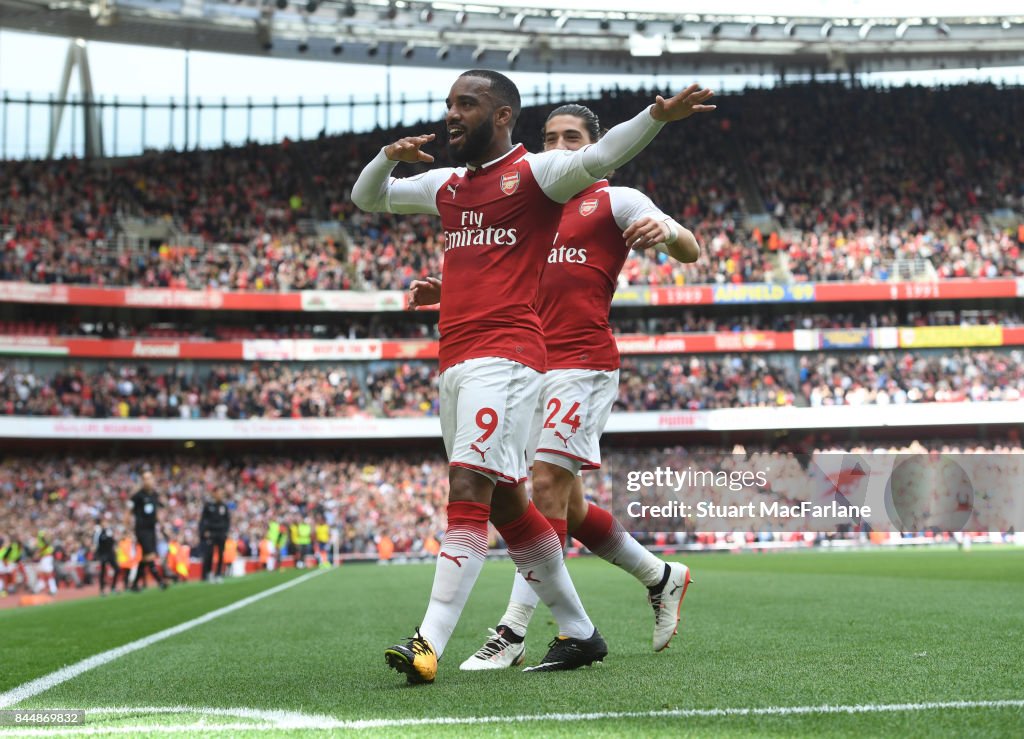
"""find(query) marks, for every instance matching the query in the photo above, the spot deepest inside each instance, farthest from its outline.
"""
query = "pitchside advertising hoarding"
(396, 300)
(845, 338)
(366, 426)
(311, 350)
(938, 336)
(827, 492)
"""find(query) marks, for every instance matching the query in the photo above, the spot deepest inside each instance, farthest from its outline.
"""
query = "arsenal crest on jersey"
(588, 206)
(509, 182)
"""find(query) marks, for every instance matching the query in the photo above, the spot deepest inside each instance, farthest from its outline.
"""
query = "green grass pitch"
(759, 631)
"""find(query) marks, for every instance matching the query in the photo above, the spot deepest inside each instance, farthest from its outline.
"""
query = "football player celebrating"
(500, 214)
(598, 228)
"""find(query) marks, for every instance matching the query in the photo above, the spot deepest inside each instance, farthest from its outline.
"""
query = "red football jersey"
(499, 221)
(498, 227)
(581, 272)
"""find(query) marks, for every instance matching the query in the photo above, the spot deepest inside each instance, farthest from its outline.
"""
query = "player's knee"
(466, 485)
(551, 487)
(577, 511)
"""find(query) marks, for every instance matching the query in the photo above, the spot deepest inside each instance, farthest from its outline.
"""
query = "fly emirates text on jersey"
(473, 233)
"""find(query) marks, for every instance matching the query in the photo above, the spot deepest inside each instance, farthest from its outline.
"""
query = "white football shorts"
(486, 409)
(570, 417)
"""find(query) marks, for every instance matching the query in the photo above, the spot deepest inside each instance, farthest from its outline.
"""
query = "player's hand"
(645, 233)
(424, 292)
(676, 108)
(408, 149)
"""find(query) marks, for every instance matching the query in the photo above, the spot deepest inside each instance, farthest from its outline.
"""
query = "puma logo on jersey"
(456, 558)
(481, 452)
(451, 189)
(530, 578)
(569, 254)
(565, 439)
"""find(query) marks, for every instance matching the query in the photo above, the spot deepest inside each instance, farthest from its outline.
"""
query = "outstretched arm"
(377, 191)
(562, 174)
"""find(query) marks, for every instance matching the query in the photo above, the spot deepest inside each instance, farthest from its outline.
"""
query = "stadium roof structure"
(535, 39)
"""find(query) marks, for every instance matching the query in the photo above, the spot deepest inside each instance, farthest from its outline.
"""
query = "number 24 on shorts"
(570, 419)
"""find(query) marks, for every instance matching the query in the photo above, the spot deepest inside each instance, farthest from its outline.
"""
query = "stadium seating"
(886, 200)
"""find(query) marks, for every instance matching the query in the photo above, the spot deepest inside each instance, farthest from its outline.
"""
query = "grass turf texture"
(796, 629)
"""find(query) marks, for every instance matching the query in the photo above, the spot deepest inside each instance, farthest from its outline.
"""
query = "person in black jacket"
(145, 505)
(105, 546)
(213, 530)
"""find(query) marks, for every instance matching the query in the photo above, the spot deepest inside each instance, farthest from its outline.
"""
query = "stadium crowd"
(845, 207)
(694, 382)
(373, 505)
(895, 378)
(218, 391)
(820, 379)
(361, 500)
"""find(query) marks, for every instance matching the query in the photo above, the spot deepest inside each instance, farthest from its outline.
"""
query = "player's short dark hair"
(503, 89)
(585, 114)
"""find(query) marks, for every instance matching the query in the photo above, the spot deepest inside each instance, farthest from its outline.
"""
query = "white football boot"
(497, 652)
(667, 602)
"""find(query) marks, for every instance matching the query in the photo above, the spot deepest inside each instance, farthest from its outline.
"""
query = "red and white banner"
(28, 346)
(268, 350)
(180, 299)
(142, 429)
(311, 350)
(24, 292)
(688, 295)
(742, 341)
(353, 350)
(121, 348)
(939, 290)
(352, 300)
(726, 419)
(395, 300)
(409, 349)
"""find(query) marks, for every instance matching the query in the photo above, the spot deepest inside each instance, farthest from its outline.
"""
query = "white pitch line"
(284, 720)
(681, 713)
(44, 683)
